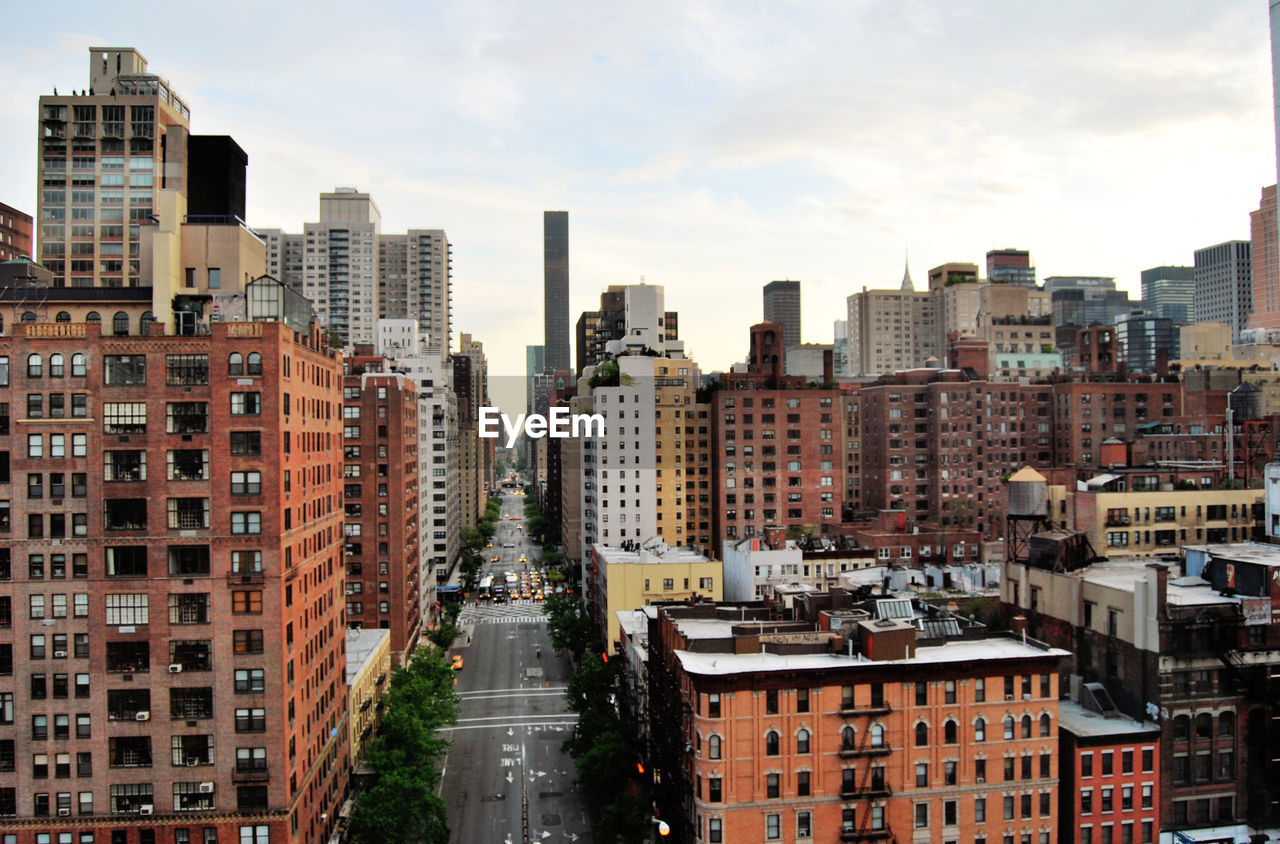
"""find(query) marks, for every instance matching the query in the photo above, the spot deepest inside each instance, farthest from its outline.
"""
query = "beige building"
(626, 579)
(1147, 524)
(1018, 323)
(105, 152)
(368, 670)
(890, 330)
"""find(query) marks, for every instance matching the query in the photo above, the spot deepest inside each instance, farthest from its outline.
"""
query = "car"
(495, 558)
(456, 665)
(526, 594)
(538, 596)
(488, 545)
(523, 558)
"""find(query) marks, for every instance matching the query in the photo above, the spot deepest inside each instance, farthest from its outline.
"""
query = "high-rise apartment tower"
(555, 288)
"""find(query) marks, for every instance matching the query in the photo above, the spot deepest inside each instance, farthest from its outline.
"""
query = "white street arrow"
(509, 776)
(539, 773)
(510, 731)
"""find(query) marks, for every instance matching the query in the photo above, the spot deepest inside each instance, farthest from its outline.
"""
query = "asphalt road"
(505, 780)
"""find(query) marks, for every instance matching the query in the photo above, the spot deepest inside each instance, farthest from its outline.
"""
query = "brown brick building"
(171, 631)
(380, 503)
(15, 233)
(1085, 414)
(1109, 773)
(942, 445)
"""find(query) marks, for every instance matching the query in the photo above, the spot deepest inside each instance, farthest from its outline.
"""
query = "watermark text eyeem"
(560, 424)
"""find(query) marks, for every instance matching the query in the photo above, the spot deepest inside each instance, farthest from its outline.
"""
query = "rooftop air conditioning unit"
(146, 809)
(206, 788)
(175, 668)
(142, 716)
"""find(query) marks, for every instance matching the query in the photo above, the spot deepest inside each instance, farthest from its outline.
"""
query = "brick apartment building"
(947, 445)
(171, 632)
(380, 503)
(779, 456)
(15, 234)
(1109, 776)
(779, 731)
(1086, 414)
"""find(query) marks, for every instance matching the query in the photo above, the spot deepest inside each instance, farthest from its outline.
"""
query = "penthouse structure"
(194, 476)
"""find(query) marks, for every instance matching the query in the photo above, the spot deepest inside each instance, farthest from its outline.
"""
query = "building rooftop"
(1244, 552)
(717, 664)
(361, 644)
(1086, 723)
(1124, 575)
(651, 555)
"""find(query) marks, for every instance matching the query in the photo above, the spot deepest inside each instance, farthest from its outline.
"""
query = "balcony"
(848, 710)
(864, 749)
(865, 834)
(250, 774)
(870, 791)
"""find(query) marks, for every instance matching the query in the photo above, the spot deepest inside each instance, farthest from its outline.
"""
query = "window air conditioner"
(146, 809)
(206, 788)
(175, 668)
(59, 654)
(142, 716)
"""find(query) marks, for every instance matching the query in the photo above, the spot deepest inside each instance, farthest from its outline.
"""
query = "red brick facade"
(171, 641)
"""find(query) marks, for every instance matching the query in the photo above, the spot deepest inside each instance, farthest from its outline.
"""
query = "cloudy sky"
(710, 146)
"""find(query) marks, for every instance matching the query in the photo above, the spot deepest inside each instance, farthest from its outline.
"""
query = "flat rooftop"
(1244, 552)
(361, 643)
(1087, 723)
(712, 664)
(1124, 575)
(615, 556)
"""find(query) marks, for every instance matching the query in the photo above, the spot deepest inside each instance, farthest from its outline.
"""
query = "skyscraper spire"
(907, 286)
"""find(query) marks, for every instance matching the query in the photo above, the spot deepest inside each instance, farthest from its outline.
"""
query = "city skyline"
(711, 152)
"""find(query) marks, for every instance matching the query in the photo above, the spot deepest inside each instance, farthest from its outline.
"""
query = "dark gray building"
(1224, 285)
(555, 288)
(782, 305)
(1170, 292)
(1085, 300)
(1143, 338)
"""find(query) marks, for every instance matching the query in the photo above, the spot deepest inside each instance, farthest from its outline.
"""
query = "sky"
(710, 146)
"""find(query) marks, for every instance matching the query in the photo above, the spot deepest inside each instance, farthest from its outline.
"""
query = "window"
(246, 404)
(772, 826)
(922, 816)
(714, 790)
(246, 483)
(773, 785)
(123, 370)
(251, 642)
(715, 830)
(922, 775)
(251, 720)
(186, 370)
(804, 824)
(246, 522)
(126, 609)
(922, 734)
(713, 705)
(771, 743)
(802, 741)
(949, 730)
(250, 601)
(250, 680)
(246, 442)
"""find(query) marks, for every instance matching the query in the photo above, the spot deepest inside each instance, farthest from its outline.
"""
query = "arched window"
(922, 734)
(1227, 724)
(849, 739)
(802, 741)
(980, 730)
(93, 316)
(144, 323)
(713, 747)
(1045, 724)
(1008, 726)
(949, 733)
(28, 316)
(253, 364)
(79, 365)
(235, 364)
(62, 316)
(1204, 725)
(56, 365)
(1026, 726)
(877, 735)
(1181, 728)
(120, 324)
(35, 366)
(771, 743)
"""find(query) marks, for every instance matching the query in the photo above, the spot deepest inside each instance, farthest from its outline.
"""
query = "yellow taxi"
(456, 664)
(523, 558)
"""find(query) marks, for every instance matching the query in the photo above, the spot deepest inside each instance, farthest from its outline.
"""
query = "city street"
(505, 779)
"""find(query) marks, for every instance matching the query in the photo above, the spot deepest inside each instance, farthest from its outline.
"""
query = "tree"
(401, 804)
(472, 537)
(570, 628)
(446, 631)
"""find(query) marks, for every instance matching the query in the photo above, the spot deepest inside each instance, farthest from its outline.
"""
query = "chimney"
(1018, 624)
(828, 367)
(1162, 588)
(775, 537)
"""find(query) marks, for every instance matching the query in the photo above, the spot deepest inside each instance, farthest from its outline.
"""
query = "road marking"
(513, 689)
(508, 718)
(556, 726)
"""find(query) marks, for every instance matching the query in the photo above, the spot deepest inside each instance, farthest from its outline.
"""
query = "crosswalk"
(515, 611)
